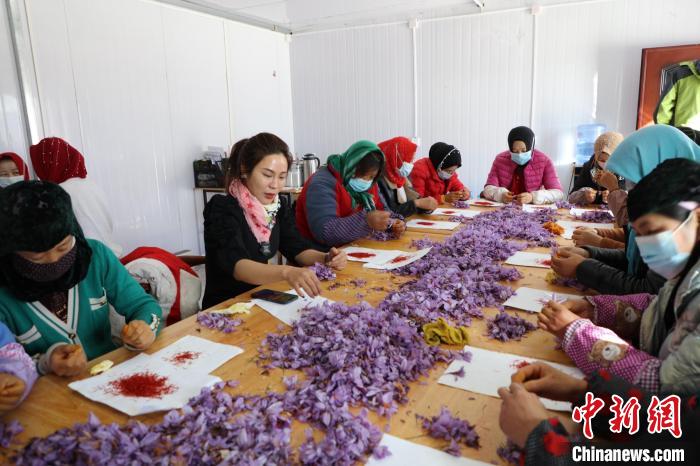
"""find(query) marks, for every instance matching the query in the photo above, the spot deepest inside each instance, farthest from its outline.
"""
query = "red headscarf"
(57, 161)
(21, 166)
(397, 151)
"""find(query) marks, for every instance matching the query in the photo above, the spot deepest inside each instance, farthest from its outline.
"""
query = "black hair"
(671, 182)
(247, 153)
(370, 162)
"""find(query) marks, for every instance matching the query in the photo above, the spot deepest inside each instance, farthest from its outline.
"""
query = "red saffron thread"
(547, 262)
(361, 255)
(448, 211)
(396, 260)
(425, 223)
(487, 204)
(184, 357)
(141, 385)
(520, 364)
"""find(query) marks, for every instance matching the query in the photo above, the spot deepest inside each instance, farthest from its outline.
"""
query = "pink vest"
(539, 173)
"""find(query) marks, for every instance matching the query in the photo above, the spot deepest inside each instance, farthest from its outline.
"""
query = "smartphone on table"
(277, 297)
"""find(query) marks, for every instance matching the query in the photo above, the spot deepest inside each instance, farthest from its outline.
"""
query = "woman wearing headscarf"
(12, 169)
(340, 203)
(587, 189)
(394, 188)
(57, 161)
(56, 287)
(617, 271)
(522, 173)
(436, 175)
(649, 341)
(246, 228)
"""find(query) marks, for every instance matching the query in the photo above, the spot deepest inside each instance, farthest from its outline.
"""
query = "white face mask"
(6, 181)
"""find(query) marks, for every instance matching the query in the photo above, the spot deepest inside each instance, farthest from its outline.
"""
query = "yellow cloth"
(440, 331)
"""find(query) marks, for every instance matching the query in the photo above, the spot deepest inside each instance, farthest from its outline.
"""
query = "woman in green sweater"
(56, 286)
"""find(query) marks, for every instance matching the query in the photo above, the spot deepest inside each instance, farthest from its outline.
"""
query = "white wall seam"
(414, 47)
(75, 80)
(533, 86)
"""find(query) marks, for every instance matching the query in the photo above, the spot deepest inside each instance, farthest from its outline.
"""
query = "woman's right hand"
(507, 197)
(68, 360)
(580, 307)
(426, 203)
(545, 381)
(586, 236)
(589, 195)
(378, 220)
(303, 280)
(11, 390)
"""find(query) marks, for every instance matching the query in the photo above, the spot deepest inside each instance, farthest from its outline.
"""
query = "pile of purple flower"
(8, 432)
(216, 427)
(447, 427)
(218, 321)
(460, 204)
(507, 327)
(323, 271)
(511, 222)
(563, 204)
(511, 453)
(596, 216)
(354, 354)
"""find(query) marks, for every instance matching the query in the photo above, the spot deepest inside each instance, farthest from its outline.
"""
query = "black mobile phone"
(276, 297)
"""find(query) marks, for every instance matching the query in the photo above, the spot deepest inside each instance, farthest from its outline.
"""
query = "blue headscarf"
(639, 154)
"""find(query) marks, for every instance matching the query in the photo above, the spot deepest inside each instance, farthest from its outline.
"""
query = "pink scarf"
(253, 210)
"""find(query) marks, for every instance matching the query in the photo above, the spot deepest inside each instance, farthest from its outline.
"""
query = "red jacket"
(426, 181)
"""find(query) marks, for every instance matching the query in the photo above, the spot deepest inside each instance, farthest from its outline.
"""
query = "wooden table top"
(52, 405)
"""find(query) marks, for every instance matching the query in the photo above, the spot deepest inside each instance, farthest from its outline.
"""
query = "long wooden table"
(52, 405)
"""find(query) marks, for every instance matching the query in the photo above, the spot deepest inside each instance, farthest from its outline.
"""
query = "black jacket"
(606, 272)
(391, 201)
(228, 239)
(585, 180)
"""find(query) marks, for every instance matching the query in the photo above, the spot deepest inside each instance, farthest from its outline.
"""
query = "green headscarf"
(642, 151)
(639, 154)
(345, 165)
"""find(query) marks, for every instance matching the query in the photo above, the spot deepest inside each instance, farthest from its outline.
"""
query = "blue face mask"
(406, 169)
(359, 185)
(660, 252)
(521, 158)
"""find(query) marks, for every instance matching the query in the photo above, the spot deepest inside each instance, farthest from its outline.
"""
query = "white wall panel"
(121, 89)
(588, 63)
(12, 125)
(351, 85)
(474, 86)
(53, 63)
(259, 82)
(475, 77)
(199, 111)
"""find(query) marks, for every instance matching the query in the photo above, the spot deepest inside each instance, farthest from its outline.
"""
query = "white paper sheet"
(432, 224)
(480, 202)
(532, 299)
(380, 256)
(456, 212)
(537, 207)
(570, 226)
(490, 370)
(405, 453)
(289, 313)
(577, 211)
(208, 355)
(409, 257)
(530, 259)
(185, 386)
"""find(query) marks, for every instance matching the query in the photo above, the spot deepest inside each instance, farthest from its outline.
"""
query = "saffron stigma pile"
(352, 358)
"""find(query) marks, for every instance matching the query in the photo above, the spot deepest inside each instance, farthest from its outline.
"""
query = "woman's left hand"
(138, 335)
(565, 265)
(608, 180)
(398, 228)
(524, 198)
(337, 259)
(521, 412)
(555, 317)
